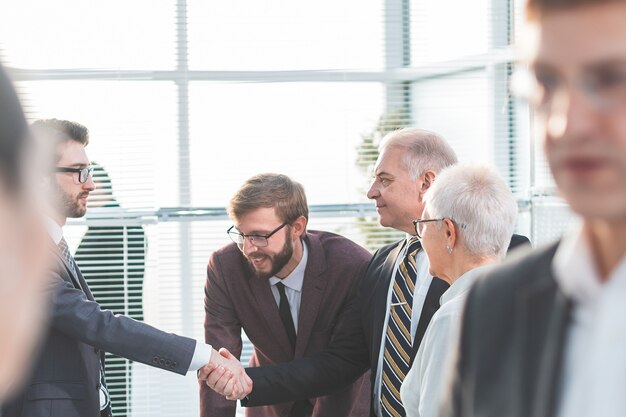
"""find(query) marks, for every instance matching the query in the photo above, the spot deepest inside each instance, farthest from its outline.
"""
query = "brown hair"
(61, 131)
(267, 191)
(534, 8)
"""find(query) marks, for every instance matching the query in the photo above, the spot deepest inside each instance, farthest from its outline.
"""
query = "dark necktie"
(397, 354)
(285, 315)
(105, 398)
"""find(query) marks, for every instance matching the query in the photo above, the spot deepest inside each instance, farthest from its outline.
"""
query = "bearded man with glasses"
(285, 287)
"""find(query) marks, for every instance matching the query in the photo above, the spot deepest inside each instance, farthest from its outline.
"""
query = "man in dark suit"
(68, 378)
(272, 247)
(545, 335)
(112, 259)
(378, 330)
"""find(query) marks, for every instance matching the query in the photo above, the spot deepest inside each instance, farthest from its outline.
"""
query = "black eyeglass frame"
(83, 173)
(256, 239)
(417, 222)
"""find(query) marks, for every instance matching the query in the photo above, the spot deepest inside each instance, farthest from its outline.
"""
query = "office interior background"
(186, 99)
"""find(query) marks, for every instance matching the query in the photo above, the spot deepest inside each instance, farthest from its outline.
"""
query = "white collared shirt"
(424, 379)
(593, 375)
(293, 286)
(422, 283)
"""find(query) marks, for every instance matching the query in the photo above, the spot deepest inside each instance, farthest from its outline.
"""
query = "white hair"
(479, 202)
(424, 150)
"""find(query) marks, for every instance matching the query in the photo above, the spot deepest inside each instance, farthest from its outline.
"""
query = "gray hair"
(424, 150)
(480, 203)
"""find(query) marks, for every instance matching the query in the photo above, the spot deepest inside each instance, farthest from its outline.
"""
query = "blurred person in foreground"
(285, 286)
(23, 249)
(466, 226)
(68, 379)
(384, 322)
(546, 335)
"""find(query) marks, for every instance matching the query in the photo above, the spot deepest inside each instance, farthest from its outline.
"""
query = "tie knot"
(281, 288)
(63, 245)
(414, 246)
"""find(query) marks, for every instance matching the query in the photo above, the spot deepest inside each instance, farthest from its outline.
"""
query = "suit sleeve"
(222, 328)
(340, 364)
(79, 318)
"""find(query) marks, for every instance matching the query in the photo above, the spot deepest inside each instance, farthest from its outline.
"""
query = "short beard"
(278, 261)
(70, 206)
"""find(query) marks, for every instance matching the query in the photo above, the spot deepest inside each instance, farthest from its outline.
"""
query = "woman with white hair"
(466, 225)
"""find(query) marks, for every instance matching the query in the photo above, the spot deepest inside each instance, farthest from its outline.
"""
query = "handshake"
(225, 375)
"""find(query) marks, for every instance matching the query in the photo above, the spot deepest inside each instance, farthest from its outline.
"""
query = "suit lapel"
(266, 304)
(543, 315)
(76, 278)
(313, 287)
(383, 276)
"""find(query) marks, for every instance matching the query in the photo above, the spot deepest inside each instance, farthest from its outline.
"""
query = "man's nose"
(247, 247)
(89, 185)
(373, 192)
(571, 114)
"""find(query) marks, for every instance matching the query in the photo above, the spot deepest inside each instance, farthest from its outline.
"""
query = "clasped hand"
(225, 375)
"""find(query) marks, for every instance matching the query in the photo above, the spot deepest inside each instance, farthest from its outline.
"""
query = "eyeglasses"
(604, 86)
(419, 225)
(257, 240)
(83, 173)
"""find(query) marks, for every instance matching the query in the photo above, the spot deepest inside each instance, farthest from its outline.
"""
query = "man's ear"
(427, 180)
(299, 226)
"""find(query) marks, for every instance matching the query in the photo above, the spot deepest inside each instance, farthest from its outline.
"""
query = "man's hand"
(225, 375)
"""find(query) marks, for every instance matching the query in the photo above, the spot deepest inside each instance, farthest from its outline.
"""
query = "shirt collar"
(574, 267)
(463, 283)
(54, 229)
(296, 278)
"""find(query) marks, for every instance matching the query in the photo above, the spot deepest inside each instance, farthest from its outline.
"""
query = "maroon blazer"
(236, 299)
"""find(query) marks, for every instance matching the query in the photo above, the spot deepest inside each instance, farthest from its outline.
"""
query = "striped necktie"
(397, 355)
(65, 251)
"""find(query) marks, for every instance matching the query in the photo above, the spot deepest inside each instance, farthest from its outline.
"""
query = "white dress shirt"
(593, 376)
(202, 352)
(422, 283)
(293, 286)
(421, 389)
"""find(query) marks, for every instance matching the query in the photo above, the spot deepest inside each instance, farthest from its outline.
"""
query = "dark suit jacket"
(511, 342)
(356, 345)
(236, 299)
(66, 376)
(112, 260)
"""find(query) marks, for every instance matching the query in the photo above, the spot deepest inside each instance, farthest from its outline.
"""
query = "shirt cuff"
(201, 356)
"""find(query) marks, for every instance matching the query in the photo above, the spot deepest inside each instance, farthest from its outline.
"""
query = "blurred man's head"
(24, 253)
(576, 51)
(270, 214)
(408, 162)
(72, 180)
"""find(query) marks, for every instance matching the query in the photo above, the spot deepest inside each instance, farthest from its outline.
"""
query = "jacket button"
(155, 359)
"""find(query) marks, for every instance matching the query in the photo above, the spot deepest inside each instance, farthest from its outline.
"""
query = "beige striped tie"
(397, 356)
